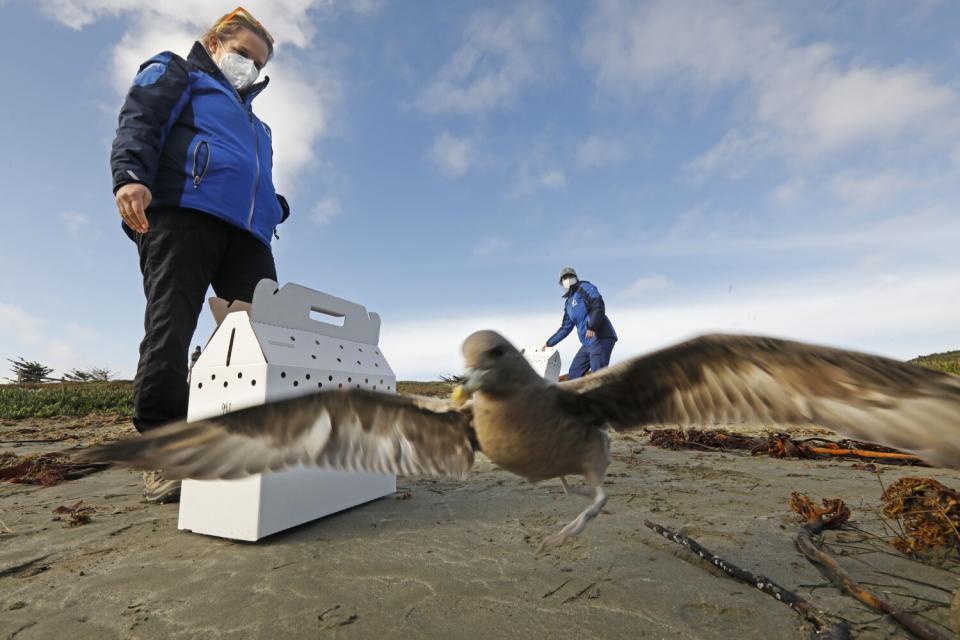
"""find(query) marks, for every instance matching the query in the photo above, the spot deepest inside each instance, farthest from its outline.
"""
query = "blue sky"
(779, 168)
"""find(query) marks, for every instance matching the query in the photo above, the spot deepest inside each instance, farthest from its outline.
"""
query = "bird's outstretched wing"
(355, 430)
(725, 379)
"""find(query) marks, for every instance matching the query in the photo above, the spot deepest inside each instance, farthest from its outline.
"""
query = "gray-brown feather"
(725, 379)
(353, 430)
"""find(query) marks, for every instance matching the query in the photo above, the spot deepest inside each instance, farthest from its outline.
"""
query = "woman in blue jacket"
(192, 179)
(584, 309)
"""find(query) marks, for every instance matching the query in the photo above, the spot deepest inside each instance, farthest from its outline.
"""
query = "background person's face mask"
(568, 282)
(239, 71)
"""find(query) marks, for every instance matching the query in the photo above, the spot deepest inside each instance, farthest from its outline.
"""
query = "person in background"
(584, 309)
(192, 180)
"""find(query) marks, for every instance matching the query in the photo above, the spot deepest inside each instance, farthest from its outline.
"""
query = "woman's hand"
(132, 202)
(591, 334)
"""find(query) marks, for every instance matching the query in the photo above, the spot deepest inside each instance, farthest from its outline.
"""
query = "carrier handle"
(290, 306)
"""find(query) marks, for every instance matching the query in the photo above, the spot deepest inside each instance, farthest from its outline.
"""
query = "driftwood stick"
(829, 567)
(822, 628)
(833, 515)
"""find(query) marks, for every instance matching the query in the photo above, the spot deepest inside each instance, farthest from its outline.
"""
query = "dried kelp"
(46, 469)
(929, 513)
(778, 445)
(77, 514)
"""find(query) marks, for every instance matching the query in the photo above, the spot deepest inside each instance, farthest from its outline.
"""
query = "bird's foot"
(555, 540)
(573, 528)
(578, 524)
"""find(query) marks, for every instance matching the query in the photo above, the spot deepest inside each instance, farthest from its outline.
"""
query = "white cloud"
(597, 151)
(642, 286)
(325, 210)
(453, 156)
(500, 55)
(929, 233)
(888, 315)
(734, 155)
(20, 324)
(868, 190)
(789, 192)
(75, 223)
(864, 104)
(490, 246)
(296, 105)
(796, 100)
(533, 174)
(23, 334)
(287, 20)
(552, 179)
(81, 332)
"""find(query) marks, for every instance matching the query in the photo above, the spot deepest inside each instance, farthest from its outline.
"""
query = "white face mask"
(239, 71)
(568, 282)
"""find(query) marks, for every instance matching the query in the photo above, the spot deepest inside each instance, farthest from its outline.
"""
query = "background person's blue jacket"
(195, 142)
(584, 309)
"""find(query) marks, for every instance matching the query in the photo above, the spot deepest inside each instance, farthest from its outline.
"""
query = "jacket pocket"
(201, 162)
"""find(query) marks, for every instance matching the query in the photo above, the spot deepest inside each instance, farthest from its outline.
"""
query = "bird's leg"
(594, 477)
(570, 490)
(579, 523)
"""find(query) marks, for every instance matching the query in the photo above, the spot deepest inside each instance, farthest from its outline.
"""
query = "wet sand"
(445, 559)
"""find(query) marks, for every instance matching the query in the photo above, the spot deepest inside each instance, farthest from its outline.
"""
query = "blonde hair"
(231, 23)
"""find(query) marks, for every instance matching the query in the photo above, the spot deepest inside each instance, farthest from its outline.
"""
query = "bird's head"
(493, 366)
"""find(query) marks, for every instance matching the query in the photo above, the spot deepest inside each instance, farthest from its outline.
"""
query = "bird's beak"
(471, 382)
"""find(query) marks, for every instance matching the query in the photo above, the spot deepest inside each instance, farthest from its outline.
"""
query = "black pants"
(183, 253)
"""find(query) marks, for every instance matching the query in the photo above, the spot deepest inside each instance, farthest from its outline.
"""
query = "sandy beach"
(445, 559)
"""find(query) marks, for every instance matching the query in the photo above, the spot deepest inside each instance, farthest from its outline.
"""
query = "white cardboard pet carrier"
(266, 351)
(546, 363)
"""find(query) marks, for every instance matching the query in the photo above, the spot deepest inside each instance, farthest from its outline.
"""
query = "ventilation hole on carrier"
(388, 387)
(319, 385)
(292, 339)
(316, 342)
(376, 353)
(314, 356)
(366, 380)
(340, 385)
(376, 364)
(296, 383)
(199, 385)
(283, 374)
(358, 362)
(359, 349)
(239, 374)
(213, 376)
(253, 383)
(308, 376)
(349, 379)
(225, 383)
(330, 378)
(339, 360)
(381, 380)
(374, 387)
(358, 386)
(341, 346)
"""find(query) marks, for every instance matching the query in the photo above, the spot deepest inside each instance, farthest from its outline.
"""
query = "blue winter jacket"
(584, 309)
(195, 142)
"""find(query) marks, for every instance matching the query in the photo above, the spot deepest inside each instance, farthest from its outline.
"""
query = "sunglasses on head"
(242, 13)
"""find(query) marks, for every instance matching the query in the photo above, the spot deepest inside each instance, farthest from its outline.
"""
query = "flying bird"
(539, 430)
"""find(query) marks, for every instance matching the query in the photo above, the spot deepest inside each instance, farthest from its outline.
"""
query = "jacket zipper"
(256, 149)
(256, 181)
(198, 176)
